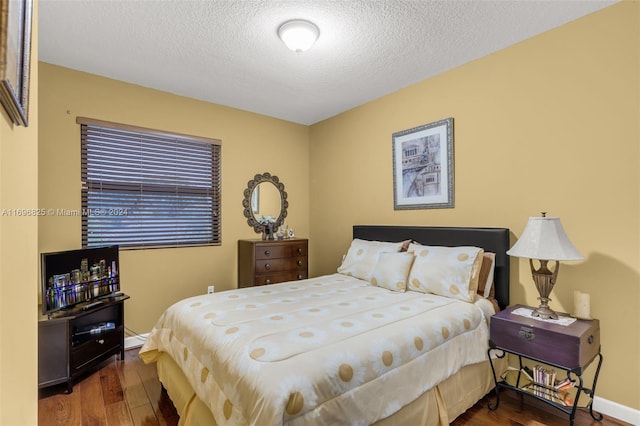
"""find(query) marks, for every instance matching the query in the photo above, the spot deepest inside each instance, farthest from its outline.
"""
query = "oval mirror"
(265, 199)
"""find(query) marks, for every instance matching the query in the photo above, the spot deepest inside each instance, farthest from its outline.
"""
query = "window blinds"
(147, 188)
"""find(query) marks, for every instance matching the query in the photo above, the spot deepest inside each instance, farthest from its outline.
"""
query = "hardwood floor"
(518, 410)
(119, 393)
(128, 392)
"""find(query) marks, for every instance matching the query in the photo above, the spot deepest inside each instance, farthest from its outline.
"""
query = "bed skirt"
(439, 406)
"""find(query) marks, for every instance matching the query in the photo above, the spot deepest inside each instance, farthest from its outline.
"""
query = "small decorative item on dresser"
(290, 233)
(283, 231)
(267, 227)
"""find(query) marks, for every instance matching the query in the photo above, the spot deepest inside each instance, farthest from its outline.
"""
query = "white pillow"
(446, 271)
(362, 257)
(392, 270)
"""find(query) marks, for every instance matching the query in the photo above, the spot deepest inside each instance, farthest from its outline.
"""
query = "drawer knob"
(267, 266)
(267, 252)
(299, 262)
(526, 333)
(267, 281)
(299, 250)
(300, 276)
(101, 341)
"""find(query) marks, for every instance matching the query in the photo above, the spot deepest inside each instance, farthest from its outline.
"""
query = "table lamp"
(544, 239)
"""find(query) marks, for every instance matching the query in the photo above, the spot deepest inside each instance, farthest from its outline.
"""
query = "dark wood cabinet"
(262, 262)
(75, 341)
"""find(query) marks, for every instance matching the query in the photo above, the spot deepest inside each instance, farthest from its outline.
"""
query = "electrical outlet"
(210, 289)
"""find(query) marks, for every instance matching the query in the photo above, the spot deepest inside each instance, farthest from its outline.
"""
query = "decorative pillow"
(485, 280)
(446, 271)
(392, 270)
(362, 257)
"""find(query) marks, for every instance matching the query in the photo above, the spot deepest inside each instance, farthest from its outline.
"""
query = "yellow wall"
(550, 124)
(251, 144)
(19, 260)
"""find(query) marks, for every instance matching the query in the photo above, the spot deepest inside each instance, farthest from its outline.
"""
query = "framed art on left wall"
(423, 166)
(15, 58)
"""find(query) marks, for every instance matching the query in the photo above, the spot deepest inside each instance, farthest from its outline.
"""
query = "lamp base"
(544, 279)
(544, 312)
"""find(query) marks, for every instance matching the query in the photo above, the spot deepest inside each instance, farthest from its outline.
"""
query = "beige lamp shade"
(544, 238)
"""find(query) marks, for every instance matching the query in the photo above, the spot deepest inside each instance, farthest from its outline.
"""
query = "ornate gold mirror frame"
(251, 197)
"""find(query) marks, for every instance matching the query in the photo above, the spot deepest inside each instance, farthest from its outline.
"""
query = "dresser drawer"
(280, 277)
(88, 351)
(283, 264)
(278, 251)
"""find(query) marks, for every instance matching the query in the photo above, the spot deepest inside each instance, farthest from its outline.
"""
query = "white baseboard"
(131, 342)
(615, 410)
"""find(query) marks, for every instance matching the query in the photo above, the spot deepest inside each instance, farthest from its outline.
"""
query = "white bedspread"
(331, 347)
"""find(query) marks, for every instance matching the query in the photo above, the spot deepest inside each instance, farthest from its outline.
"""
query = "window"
(148, 188)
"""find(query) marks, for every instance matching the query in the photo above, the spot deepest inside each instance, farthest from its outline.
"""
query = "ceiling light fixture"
(298, 34)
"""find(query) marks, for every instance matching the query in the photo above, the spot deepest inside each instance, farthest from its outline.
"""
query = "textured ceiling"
(228, 52)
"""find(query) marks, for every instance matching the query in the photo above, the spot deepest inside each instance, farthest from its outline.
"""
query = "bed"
(353, 347)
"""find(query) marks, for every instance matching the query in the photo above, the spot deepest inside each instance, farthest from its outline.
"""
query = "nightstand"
(564, 350)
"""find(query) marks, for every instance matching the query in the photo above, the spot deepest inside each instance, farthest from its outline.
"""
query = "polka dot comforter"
(327, 350)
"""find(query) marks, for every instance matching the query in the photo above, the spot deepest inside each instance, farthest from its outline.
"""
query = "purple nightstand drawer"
(572, 347)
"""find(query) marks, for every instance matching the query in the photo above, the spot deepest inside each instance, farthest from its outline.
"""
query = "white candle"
(581, 305)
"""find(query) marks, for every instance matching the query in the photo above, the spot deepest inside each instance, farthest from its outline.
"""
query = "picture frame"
(423, 166)
(15, 58)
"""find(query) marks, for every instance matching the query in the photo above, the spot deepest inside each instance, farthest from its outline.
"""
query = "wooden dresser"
(263, 262)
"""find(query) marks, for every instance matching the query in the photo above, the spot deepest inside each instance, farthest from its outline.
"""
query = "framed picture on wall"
(423, 166)
(15, 58)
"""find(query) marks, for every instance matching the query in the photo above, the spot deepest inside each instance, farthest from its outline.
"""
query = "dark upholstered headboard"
(495, 240)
